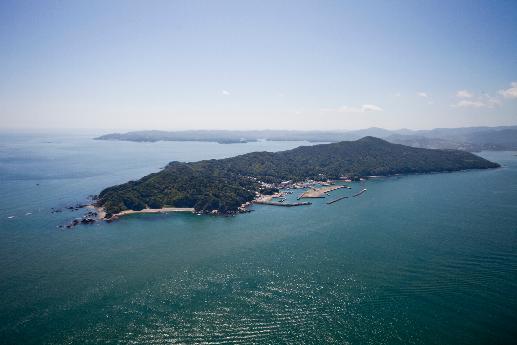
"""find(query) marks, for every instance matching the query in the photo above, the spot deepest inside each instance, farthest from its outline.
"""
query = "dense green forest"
(225, 184)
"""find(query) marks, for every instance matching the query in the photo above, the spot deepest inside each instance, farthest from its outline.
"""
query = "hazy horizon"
(127, 130)
(171, 65)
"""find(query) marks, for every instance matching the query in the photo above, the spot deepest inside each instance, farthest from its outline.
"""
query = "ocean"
(420, 259)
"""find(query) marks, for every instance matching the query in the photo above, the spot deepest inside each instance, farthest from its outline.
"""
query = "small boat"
(10, 217)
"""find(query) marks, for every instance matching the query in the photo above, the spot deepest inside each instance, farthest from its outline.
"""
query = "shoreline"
(149, 210)
(101, 213)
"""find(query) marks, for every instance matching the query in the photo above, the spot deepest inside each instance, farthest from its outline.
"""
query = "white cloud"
(365, 108)
(464, 94)
(469, 104)
(422, 94)
(370, 107)
(492, 101)
(485, 101)
(225, 93)
(470, 100)
(510, 92)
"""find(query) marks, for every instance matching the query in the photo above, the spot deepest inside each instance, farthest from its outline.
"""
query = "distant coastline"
(471, 139)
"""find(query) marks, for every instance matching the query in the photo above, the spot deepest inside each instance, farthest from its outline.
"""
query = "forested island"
(224, 185)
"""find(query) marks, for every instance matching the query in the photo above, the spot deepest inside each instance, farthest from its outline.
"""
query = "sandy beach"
(154, 210)
(101, 214)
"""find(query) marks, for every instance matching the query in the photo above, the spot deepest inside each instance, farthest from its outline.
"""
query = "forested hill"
(225, 184)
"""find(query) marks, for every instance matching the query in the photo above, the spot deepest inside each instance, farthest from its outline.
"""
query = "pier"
(361, 192)
(336, 200)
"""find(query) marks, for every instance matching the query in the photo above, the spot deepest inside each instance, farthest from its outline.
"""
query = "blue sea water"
(422, 259)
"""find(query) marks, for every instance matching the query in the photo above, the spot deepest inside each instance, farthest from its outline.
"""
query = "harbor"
(316, 190)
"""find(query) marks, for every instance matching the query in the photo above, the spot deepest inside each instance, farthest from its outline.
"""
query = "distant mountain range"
(471, 139)
(223, 185)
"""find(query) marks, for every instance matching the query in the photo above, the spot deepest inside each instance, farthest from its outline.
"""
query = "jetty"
(336, 200)
(361, 192)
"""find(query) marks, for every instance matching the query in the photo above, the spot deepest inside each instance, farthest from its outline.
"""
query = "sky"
(176, 65)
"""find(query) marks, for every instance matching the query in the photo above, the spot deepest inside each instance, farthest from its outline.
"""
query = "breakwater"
(361, 192)
(274, 203)
(336, 200)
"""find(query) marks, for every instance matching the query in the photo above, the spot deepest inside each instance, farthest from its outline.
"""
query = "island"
(228, 186)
